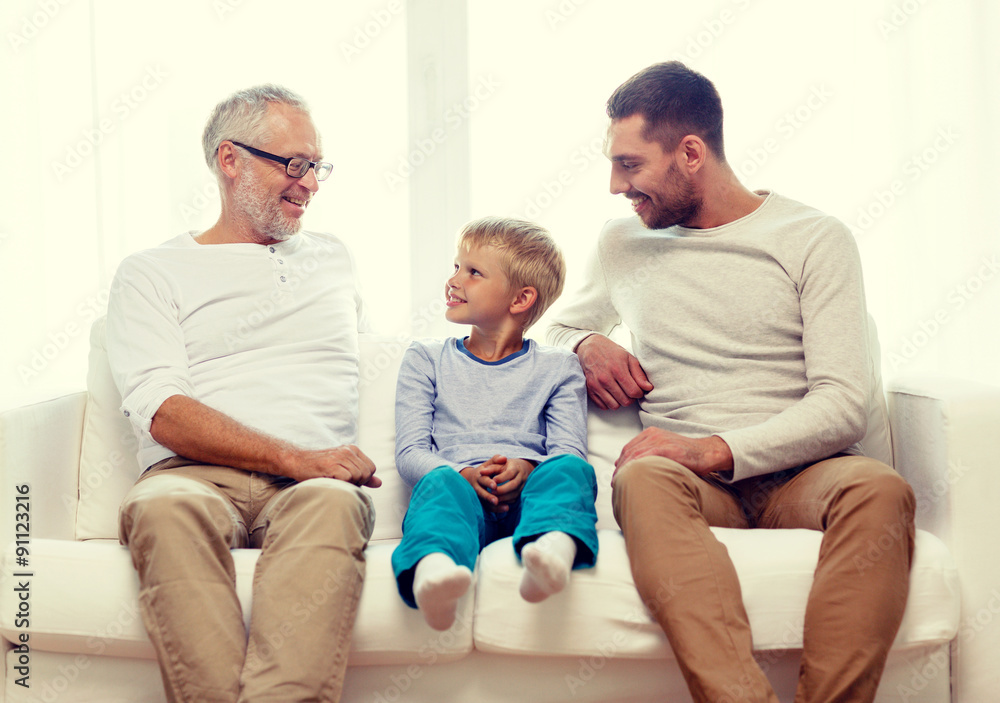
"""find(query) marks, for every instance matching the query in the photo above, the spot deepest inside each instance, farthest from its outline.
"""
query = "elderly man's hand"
(346, 463)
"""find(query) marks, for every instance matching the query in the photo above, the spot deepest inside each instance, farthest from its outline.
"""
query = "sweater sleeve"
(590, 311)
(833, 413)
(415, 394)
(566, 413)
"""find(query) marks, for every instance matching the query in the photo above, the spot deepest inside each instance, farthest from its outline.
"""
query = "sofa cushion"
(877, 442)
(607, 433)
(379, 367)
(84, 599)
(108, 463)
(601, 614)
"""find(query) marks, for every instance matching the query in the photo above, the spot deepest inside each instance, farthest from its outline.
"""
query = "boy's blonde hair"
(528, 256)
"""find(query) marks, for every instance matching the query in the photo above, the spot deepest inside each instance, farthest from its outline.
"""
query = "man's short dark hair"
(675, 101)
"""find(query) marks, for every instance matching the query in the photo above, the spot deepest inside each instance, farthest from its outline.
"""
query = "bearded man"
(751, 364)
(235, 351)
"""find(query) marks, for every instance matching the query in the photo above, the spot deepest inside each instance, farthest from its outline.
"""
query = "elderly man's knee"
(168, 506)
(327, 500)
(328, 492)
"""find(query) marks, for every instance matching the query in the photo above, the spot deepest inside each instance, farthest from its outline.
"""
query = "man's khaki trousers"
(688, 582)
(180, 521)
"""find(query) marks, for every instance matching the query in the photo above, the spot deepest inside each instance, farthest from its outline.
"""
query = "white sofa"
(595, 642)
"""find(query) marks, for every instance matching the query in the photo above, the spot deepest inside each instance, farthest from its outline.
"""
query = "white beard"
(264, 218)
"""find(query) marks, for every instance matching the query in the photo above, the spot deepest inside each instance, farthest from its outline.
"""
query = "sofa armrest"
(40, 446)
(946, 440)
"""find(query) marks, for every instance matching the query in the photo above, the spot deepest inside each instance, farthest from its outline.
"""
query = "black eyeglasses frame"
(322, 169)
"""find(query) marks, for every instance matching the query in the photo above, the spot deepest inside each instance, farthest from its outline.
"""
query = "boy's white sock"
(547, 563)
(438, 583)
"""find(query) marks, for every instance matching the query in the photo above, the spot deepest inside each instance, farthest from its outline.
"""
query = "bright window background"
(882, 113)
(104, 106)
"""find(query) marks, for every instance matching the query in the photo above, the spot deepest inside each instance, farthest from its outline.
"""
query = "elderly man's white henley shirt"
(267, 334)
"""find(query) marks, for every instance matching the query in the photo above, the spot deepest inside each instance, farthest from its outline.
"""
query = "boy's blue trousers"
(445, 515)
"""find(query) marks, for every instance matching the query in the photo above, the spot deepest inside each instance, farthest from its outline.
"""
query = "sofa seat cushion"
(600, 613)
(84, 600)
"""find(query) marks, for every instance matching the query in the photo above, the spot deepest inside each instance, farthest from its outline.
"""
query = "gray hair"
(242, 116)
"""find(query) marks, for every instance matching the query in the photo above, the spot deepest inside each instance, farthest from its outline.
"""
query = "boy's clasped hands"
(498, 481)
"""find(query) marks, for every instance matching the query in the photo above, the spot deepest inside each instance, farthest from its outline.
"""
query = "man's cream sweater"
(755, 331)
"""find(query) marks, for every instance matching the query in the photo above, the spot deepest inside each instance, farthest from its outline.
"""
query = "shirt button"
(281, 261)
(128, 414)
(271, 249)
(282, 279)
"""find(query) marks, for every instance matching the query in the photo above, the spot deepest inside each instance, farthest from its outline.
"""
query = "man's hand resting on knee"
(346, 463)
(703, 456)
(196, 431)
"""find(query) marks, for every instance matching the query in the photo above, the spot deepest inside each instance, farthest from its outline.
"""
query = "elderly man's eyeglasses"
(295, 166)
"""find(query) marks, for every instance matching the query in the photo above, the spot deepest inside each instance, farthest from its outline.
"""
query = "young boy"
(491, 430)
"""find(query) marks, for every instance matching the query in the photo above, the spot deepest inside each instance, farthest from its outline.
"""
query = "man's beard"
(263, 216)
(676, 204)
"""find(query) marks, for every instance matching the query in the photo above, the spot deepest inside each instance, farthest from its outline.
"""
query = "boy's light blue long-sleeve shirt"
(454, 409)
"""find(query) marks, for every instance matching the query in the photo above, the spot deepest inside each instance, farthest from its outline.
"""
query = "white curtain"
(882, 113)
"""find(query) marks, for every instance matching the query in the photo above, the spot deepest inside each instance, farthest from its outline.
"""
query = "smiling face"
(478, 293)
(661, 194)
(266, 200)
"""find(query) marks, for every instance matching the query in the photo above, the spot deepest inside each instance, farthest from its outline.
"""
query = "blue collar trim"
(460, 345)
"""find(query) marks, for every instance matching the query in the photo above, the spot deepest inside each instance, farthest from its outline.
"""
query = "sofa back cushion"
(108, 461)
(379, 367)
(877, 442)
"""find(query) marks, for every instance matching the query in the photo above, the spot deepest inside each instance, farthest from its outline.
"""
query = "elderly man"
(748, 324)
(235, 350)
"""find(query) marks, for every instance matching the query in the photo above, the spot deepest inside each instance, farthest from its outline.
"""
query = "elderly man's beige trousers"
(180, 522)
